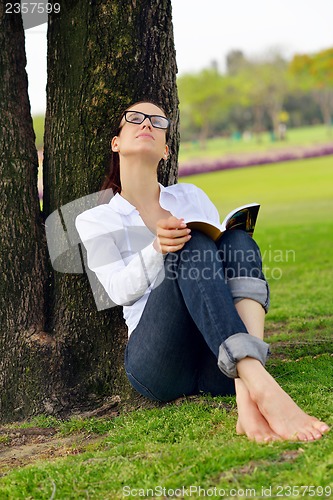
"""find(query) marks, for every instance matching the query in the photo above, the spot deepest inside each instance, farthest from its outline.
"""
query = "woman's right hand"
(171, 235)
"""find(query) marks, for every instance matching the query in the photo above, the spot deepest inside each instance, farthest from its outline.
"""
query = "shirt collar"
(122, 206)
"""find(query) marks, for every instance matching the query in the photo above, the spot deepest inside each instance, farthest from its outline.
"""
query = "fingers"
(171, 223)
(172, 234)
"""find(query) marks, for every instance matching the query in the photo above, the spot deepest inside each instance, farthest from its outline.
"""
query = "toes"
(239, 429)
(316, 429)
(308, 434)
(272, 438)
(263, 438)
(320, 426)
(300, 436)
(316, 434)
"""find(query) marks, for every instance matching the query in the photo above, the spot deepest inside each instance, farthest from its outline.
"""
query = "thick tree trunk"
(25, 349)
(56, 349)
(102, 56)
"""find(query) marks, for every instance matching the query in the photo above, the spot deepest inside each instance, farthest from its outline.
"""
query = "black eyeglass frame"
(146, 116)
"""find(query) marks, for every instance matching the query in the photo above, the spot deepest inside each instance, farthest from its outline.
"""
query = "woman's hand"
(172, 234)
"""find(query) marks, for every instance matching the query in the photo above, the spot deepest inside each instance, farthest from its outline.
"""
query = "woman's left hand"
(172, 234)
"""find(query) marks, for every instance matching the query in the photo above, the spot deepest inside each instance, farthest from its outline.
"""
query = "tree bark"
(56, 349)
(102, 56)
(25, 349)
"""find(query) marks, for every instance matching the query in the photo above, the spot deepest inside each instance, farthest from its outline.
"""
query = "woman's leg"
(162, 352)
(209, 296)
(243, 263)
(284, 417)
(211, 281)
(266, 412)
(167, 354)
(250, 420)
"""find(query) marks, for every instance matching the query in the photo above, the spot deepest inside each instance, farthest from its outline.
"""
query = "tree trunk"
(204, 132)
(258, 115)
(274, 109)
(324, 98)
(25, 349)
(56, 349)
(102, 56)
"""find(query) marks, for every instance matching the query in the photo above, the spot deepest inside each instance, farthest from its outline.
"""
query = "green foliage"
(315, 73)
(315, 70)
(297, 193)
(252, 95)
(205, 99)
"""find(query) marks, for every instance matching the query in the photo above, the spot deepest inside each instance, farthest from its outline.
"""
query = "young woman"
(194, 309)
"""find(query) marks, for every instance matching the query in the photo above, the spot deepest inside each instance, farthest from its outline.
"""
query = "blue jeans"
(190, 336)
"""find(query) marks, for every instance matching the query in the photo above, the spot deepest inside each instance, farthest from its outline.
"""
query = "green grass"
(294, 229)
(218, 147)
(291, 193)
(186, 445)
(193, 443)
(38, 124)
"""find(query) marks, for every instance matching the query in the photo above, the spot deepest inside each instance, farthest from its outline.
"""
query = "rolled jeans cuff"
(244, 287)
(240, 346)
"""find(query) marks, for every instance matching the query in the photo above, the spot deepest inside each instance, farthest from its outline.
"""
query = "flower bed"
(226, 163)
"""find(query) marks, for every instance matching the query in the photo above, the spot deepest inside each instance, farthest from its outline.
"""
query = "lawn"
(176, 449)
(218, 147)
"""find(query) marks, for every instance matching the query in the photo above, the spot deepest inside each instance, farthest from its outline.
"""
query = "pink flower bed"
(201, 167)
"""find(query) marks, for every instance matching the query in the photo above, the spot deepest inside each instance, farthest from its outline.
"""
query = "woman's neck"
(139, 185)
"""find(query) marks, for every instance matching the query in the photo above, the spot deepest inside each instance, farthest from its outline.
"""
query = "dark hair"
(112, 179)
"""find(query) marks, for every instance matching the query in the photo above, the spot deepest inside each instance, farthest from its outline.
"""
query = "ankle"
(255, 377)
(249, 368)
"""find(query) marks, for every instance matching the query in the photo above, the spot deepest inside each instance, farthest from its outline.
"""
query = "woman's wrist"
(157, 246)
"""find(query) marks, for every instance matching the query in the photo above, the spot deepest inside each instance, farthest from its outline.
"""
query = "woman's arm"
(124, 279)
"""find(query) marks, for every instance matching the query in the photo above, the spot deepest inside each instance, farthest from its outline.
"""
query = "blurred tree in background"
(206, 99)
(315, 75)
(253, 96)
(256, 95)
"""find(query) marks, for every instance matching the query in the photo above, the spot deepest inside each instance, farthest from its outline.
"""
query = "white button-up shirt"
(120, 247)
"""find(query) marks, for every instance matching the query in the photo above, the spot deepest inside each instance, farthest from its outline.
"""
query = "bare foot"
(282, 414)
(250, 420)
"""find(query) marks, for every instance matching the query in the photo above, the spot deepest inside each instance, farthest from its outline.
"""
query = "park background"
(240, 81)
(193, 442)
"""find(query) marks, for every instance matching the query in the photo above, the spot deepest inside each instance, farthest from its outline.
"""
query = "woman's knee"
(238, 239)
(199, 240)
(240, 254)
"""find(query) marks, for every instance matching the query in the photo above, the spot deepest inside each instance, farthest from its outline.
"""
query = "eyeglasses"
(137, 118)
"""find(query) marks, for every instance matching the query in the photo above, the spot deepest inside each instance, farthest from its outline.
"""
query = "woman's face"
(141, 139)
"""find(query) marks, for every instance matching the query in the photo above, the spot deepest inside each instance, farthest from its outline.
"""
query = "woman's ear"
(166, 152)
(114, 144)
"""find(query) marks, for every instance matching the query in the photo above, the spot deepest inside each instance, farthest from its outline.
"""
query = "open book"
(243, 217)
